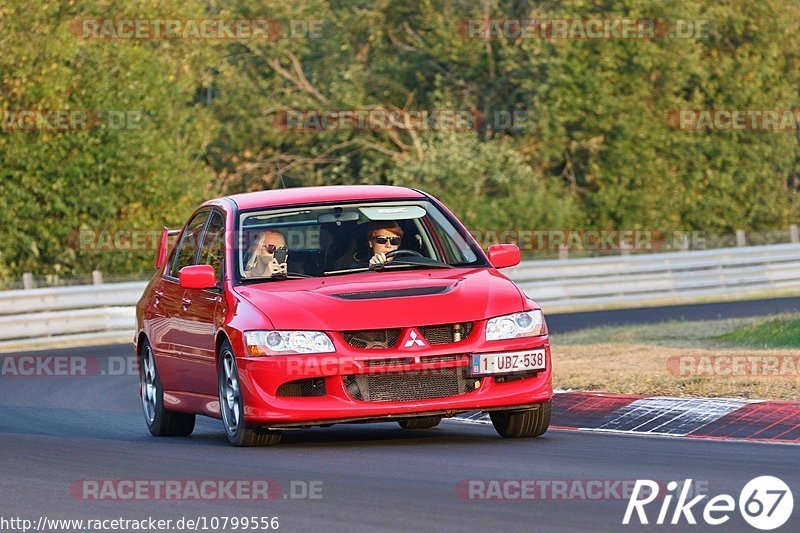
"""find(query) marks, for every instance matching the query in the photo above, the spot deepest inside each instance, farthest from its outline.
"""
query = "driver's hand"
(378, 259)
(273, 267)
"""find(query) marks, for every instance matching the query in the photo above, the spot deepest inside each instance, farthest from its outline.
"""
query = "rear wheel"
(423, 422)
(231, 405)
(527, 423)
(160, 421)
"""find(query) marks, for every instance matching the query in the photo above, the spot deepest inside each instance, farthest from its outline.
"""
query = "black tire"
(423, 422)
(522, 424)
(160, 421)
(231, 405)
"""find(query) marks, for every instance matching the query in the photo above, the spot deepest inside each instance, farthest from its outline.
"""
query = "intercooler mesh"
(409, 386)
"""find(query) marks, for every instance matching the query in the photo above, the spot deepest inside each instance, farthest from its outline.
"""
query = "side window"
(213, 250)
(186, 253)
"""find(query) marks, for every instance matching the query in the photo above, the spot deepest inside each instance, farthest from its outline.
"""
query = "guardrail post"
(97, 277)
(794, 235)
(27, 280)
(740, 240)
(563, 251)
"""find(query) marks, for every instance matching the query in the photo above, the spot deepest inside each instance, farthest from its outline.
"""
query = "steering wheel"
(401, 252)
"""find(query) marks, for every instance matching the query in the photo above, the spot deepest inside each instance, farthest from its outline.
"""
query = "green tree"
(57, 183)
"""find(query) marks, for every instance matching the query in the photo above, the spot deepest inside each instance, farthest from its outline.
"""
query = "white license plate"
(501, 363)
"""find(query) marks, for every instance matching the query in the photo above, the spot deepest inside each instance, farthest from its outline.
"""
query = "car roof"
(330, 193)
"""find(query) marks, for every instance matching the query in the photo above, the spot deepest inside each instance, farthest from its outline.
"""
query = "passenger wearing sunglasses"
(383, 237)
(264, 255)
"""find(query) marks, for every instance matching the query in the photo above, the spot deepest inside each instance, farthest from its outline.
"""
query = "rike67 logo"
(766, 503)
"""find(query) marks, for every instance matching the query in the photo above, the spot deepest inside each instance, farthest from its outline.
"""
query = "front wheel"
(232, 406)
(527, 423)
(160, 421)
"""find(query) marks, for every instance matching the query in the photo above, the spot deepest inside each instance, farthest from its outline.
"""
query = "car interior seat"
(337, 245)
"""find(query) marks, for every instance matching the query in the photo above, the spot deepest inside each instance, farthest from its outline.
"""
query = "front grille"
(387, 338)
(409, 386)
(300, 388)
(446, 333)
(372, 338)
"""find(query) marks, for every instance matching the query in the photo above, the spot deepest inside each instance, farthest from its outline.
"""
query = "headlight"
(525, 324)
(287, 342)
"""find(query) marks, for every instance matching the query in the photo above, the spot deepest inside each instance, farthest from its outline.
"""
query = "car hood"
(377, 300)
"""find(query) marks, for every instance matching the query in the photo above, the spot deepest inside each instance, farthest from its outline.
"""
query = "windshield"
(341, 239)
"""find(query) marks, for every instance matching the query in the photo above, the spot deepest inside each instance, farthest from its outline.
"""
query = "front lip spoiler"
(391, 418)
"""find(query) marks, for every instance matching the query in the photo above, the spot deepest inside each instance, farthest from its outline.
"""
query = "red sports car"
(315, 306)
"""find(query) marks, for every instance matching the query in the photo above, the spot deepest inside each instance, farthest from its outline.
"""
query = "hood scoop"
(393, 293)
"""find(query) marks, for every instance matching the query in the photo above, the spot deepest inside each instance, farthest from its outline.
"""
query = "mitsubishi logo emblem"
(413, 340)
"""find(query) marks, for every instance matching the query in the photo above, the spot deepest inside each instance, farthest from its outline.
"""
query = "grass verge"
(755, 358)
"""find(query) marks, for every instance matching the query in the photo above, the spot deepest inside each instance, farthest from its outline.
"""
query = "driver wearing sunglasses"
(263, 262)
(384, 237)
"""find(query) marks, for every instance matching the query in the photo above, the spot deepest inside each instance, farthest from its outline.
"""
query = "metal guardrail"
(102, 311)
(36, 325)
(63, 298)
(645, 279)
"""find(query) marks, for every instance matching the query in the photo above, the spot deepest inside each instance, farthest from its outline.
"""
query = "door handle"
(158, 295)
(186, 303)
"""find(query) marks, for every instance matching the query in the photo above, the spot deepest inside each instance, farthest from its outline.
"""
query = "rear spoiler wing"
(163, 245)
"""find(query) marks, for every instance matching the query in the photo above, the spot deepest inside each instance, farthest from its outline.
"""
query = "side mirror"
(198, 277)
(504, 255)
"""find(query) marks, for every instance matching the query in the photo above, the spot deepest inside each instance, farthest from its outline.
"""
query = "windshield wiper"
(279, 277)
(347, 271)
(290, 275)
(401, 263)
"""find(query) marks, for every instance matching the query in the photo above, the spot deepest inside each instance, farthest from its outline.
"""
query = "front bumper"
(261, 378)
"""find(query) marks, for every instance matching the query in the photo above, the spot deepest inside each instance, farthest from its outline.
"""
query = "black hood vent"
(392, 293)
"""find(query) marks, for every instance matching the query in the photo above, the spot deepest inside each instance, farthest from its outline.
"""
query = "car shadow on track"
(361, 435)
(129, 427)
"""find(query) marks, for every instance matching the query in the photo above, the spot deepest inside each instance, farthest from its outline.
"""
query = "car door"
(170, 332)
(202, 311)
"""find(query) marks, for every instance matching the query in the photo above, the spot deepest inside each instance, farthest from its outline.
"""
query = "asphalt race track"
(57, 431)
(564, 322)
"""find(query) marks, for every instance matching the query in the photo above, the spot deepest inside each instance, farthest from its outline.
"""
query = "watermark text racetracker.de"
(43, 365)
(589, 239)
(118, 240)
(195, 489)
(553, 489)
(214, 29)
(377, 119)
(22, 120)
(770, 120)
(584, 28)
(133, 240)
(735, 365)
